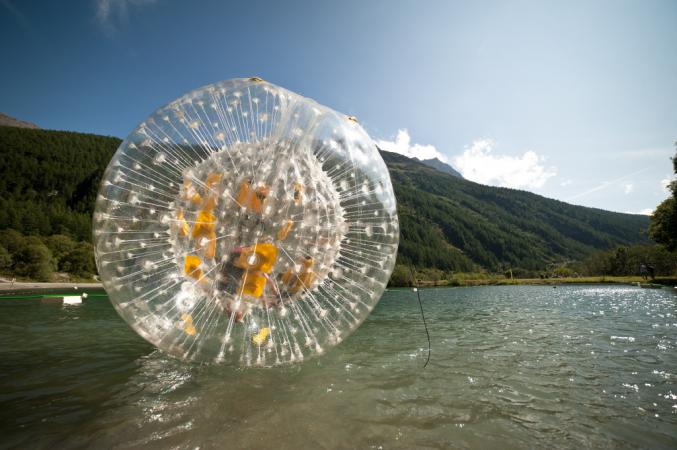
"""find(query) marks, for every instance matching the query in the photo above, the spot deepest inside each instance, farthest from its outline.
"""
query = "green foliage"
(401, 276)
(61, 246)
(627, 261)
(5, 258)
(33, 260)
(49, 180)
(80, 260)
(48, 185)
(522, 273)
(456, 225)
(12, 240)
(36, 257)
(563, 271)
(663, 227)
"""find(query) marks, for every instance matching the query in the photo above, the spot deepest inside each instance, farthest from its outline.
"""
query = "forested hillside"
(49, 180)
(448, 221)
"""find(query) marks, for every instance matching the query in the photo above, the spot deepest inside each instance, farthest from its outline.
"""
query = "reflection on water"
(511, 367)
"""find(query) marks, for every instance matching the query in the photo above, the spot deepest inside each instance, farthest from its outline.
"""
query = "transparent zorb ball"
(243, 223)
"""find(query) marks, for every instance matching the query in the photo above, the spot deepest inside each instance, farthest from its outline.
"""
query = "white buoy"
(72, 300)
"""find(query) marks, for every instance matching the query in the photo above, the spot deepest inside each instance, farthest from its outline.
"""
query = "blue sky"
(572, 100)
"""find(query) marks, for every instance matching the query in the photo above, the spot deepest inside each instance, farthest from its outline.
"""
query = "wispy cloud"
(112, 14)
(402, 145)
(18, 16)
(628, 188)
(606, 184)
(479, 163)
(566, 182)
(645, 153)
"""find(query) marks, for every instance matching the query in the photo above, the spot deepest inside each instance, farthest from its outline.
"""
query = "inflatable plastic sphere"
(245, 224)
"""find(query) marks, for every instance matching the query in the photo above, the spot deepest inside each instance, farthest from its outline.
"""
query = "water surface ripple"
(512, 367)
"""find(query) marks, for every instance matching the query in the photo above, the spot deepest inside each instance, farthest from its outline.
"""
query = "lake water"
(511, 367)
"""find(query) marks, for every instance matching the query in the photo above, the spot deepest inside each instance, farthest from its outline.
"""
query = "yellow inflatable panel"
(205, 224)
(260, 337)
(184, 229)
(192, 267)
(253, 283)
(210, 203)
(257, 257)
(188, 326)
(196, 198)
(251, 198)
(210, 248)
(212, 179)
(303, 279)
(284, 231)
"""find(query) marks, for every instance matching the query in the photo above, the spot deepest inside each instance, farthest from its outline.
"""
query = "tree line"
(49, 182)
(38, 257)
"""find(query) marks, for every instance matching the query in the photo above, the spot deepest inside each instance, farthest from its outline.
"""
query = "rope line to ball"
(420, 304)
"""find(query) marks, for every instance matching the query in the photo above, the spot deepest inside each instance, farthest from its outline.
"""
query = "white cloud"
(665, 182)
(628, 188)
(644, 212)
(112, 13)
(566, 183)
(478, 163)
(402, 145)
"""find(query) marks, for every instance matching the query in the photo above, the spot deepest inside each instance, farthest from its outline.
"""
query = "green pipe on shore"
(16, 297)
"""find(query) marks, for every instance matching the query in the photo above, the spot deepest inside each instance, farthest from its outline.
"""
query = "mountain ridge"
(436, 163)
(49, 180)
(8, 121)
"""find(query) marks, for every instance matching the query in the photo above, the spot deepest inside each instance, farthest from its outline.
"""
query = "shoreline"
(42, 287)
(460, 282)
(39, 287)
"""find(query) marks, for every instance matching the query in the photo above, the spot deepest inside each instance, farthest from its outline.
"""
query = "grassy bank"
(497, 280)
